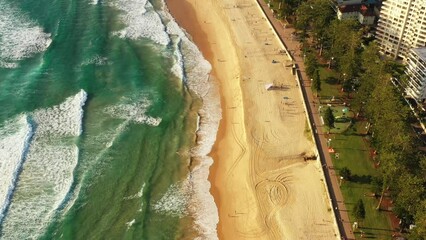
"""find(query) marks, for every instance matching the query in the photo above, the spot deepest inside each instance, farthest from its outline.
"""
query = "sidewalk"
(331, 176)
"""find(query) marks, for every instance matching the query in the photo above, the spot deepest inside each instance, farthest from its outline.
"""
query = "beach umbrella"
(269, 86)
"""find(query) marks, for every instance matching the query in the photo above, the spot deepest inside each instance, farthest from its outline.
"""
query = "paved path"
(293, 47)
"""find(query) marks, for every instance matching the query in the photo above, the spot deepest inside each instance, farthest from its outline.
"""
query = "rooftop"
(363, 9)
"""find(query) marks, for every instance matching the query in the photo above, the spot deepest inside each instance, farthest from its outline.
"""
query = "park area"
(343, 117)
(350, 149)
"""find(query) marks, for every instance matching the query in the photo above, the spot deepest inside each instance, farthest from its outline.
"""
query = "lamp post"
(344, 78)
(329, 63)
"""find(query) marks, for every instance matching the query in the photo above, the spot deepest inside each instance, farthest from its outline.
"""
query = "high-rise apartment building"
(402, 26)
(416, 72)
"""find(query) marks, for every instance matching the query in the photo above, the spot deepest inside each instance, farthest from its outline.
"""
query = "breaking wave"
(134, 111)
(191, 66)
(141, 21)
(19, 36)
(14, 143)
(47, 173)
(175, 201)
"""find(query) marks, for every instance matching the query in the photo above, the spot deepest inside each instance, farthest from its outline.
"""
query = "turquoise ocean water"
(107, 114)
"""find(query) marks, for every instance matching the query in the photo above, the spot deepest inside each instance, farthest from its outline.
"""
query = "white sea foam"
(14, 142)
(207, 218)
(129, 224)
(189, 60)
(73, 198)
(178, 68)
(96, 60)
(112, 136)
(63, 119)
(47, 173)
(8, 64)
(94, 2)
(135, 112)
(176, 35)
(19, 36)
(175, 201)
(196, 70)
(141, 21)
(137, 195)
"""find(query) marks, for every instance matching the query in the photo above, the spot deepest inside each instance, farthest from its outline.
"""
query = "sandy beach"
(263, 187)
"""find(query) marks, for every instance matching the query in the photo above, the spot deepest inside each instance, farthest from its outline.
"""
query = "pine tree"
(345, 173)
(329, 118)
(359, 211)
(316, 82)
(311, 64)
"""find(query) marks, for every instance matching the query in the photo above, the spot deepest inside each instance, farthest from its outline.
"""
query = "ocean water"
(107, 115)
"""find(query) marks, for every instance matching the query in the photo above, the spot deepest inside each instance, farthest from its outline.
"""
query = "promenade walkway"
(293, 47)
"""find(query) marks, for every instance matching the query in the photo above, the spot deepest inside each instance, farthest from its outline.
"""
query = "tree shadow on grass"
(363, 179)
(342, 119)
(332, 80)
(378, 229)
(349, 148)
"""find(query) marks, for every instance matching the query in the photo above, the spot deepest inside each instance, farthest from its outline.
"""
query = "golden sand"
(262, 186)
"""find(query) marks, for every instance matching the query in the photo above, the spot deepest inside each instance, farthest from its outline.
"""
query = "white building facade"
(416, 72)
(402, 26)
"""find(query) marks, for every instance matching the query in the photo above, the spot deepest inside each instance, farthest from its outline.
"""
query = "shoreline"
(185, 15)
(261, 185)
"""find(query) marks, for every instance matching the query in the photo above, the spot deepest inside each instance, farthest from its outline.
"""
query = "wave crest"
(135, 112)
(47, 173)
(19, 36)
(14, 142)
(141, 21)
(174, 201)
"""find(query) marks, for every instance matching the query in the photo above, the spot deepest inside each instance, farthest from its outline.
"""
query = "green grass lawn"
(355, 155)
(342, 120)
(329, 84)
